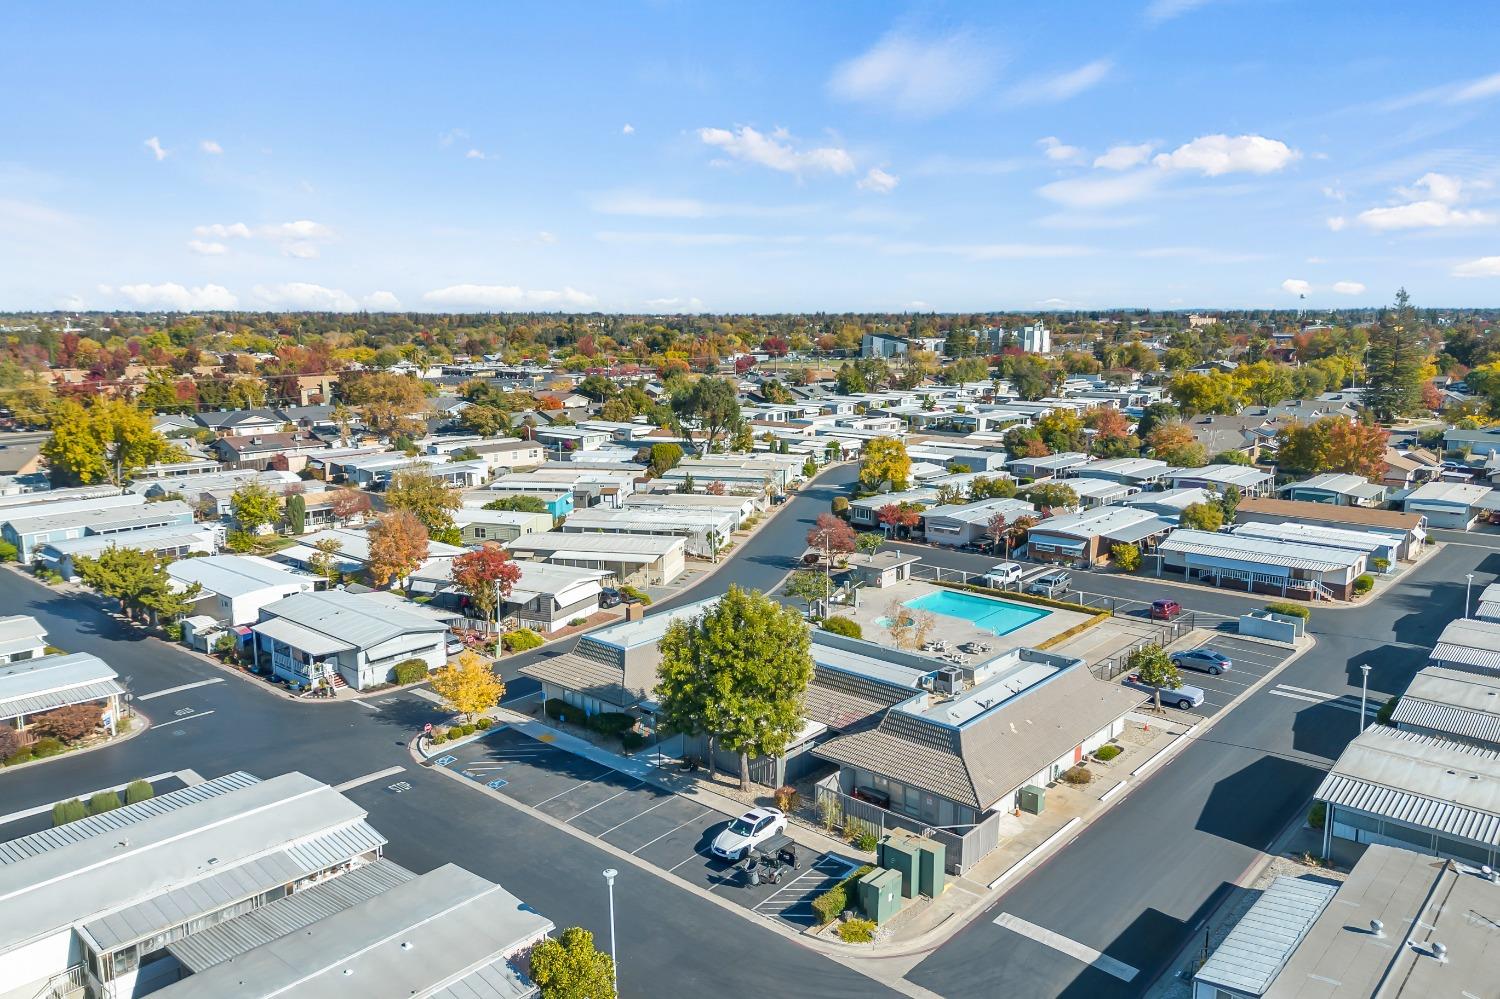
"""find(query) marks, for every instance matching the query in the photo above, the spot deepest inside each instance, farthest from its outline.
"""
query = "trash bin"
(879, 894)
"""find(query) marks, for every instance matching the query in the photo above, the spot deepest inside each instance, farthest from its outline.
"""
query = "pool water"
(999, 617)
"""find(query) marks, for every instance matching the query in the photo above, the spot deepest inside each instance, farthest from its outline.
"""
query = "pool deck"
(875, 603)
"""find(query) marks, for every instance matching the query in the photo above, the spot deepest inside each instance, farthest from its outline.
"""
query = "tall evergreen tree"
(1393, 380)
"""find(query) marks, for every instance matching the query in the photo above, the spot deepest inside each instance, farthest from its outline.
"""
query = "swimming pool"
(1000, 617)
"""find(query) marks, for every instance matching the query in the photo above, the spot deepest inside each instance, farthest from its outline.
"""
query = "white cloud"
(474, 154)
(496, 296)
(235, 230)
(175, 298)
(1099, 192)
(1061, 86)
(1483, 267)
(211, 147)
(1296, 286)
(916, 306)
(1348, 288)
(301, 229)
(1165, 10)
(914, 76)
(301, 249)
(382, 301)
(645, 205)
(1123, 157)
(154, 144)
(1477, 90)
(776, 151)
(1337, 223)
(1057, 150)
(301, 295)
(1213, 155)
(1431, 206)
(1460, 92)
(451, 136)
(629, 129)
(207, 249)
(878, 181)
(674, 304)
(543, 236)
(295, 239)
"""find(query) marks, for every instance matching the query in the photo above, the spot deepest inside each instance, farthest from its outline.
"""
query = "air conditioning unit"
(949, 680)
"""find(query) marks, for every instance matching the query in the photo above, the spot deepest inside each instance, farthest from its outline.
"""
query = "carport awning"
(1053, 541)
(1139, 532)
(314, 643)
(1235, 564)
(46, 701)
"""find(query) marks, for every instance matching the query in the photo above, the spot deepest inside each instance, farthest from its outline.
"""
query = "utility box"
(901, 851)
(931, 869)
(1033, 799)
(879, 894)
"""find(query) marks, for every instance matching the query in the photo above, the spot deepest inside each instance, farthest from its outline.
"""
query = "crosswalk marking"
(1068, 946)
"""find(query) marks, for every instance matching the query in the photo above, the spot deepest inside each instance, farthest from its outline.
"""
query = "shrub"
(631, 741)
(483, 724)
(1107, 752)
(10, 741)
(561, 709)
(830, 813)
(225, 646)
(615, 723)
(846, 626)
(8, 552)
(1383, 716)
(521, 640)
(1077, 776)
(786, 798)
(855, 828)
(19, 756)
(866, 841)
(46, 747)
(1295, 610)
(828, 905)
(138, 790)
(68, 811)
(410, 671)
(857, 931)
(1127, 557)
(103, 801)
(1380, 564)
(1317, 815)
(1363, 584)
(840, 506)
(631, 593)
(69, 723)
(174, 631)
(439, 737)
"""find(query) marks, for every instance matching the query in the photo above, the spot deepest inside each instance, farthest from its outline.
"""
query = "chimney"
(635, 611)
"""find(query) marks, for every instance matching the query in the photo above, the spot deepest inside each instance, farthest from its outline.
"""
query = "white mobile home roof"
(1469, 642)
(625, 546)
(1452, 701)
(1266, 937)
(48, 682)
(1101, 521)
(1243, 548)
(1446, 494)
(31, 517)
(145, 539)
(349, 617)
(1333, 537)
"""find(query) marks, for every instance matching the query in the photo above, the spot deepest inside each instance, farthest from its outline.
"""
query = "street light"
(1364, 693)
(1468, 586)
(609, 877)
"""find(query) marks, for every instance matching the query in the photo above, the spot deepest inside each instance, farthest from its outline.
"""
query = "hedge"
(410, 671)
(1063, 636)
(483, 724)
(68, 811)
(1363, 584)
(1295, 610)
(558, 708)
(138, 790)
(1107, 752)
(836, 899)
(846, 626)
(521, 640)
(631, 741)
(615, 723)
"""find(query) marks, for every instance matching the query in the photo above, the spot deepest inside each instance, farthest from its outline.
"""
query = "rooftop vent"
(1440, 951)
(1377, 928)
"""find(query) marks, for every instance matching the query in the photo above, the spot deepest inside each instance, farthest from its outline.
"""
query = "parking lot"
(669, 831)
(1251, 661)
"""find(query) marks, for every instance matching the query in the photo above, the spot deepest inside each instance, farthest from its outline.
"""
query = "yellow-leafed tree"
(468, 685)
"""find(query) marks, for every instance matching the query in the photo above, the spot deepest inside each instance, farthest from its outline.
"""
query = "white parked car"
(747, 832)
(1003, 575)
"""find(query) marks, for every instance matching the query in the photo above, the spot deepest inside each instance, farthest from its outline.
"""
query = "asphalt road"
(670, 941)
(1136, 885)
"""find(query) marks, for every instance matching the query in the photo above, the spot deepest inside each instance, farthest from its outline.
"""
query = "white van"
(1003, 576)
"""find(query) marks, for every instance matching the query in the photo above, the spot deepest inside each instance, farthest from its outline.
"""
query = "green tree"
(850, 381)
(1153, 666)
(885, 460)
(253, 506)
(737, 673)
(486, 575)
(296, 513)
(569, 967)
(139, 580)
(426, 496)
(1202, 517)
(1393, 367)
(713, 404)
(324, 561)
(809, 587)
(664, 458)
(521, 504)
(1052, 494)
(1127, 557)
(1154, 416)
(1229, 502)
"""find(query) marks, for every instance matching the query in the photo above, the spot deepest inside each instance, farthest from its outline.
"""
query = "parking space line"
(696, 853)
(174, 721)
(669, 832)
(350, 785)
(667, 800)
(605, 801)
(575, 787)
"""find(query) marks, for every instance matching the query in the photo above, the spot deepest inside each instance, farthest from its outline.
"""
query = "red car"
(1165, 610)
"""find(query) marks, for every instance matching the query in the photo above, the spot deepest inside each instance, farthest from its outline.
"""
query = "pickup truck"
(1183, 697)
(1053, 584)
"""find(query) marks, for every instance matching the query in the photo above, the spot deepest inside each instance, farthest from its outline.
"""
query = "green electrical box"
(879, 894)
(931, 868)
(1033, 799)
(901, 851)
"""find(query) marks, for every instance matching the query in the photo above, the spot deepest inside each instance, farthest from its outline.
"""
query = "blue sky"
(677, 156)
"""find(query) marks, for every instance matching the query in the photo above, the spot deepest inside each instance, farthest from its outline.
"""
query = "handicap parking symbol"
(496, 785)
(444, 761)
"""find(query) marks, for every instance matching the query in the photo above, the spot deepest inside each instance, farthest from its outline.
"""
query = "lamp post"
(1468, 587)
(1364, 693)
(614, 966)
